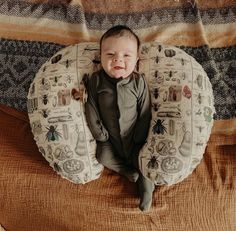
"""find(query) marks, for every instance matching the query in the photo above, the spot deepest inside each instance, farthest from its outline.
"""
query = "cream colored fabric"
(2, 229)
(58, 120)
(182, 113)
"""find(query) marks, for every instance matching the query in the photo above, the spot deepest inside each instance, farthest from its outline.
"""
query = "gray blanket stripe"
(20, 61)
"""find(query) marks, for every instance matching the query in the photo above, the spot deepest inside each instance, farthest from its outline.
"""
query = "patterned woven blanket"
(32, 31)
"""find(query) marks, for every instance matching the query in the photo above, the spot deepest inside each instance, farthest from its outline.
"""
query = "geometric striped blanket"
(32, 31)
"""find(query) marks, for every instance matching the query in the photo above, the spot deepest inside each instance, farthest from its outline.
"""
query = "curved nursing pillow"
(57, 120)
(182, 109)
(182, 114)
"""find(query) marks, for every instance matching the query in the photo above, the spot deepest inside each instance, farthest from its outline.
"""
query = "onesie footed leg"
(131, 174)
(145, 201)
(146, 188)
(105, 155)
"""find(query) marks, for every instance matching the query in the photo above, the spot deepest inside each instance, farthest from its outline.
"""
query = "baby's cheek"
(132, 65)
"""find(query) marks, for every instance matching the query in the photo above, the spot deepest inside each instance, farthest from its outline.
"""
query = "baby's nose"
(117, 58)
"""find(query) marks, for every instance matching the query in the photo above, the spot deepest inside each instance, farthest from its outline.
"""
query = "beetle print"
(159, 127)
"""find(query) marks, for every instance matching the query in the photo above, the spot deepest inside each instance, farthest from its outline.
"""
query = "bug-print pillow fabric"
(57, 120)
(182, 113)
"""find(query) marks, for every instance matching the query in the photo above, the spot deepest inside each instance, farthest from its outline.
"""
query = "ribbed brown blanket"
(34, 198)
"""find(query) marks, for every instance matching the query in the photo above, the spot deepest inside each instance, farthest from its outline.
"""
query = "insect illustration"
(45, 113)
(45, 99)
(156, 106)
(57, 167)
(170, 52)
(153, 163)
(56, 59)
(159, 127)
(43, 81)
(200, 128)
(155, 92)
(170, 74)
(45, 85)
(55, 78)
(156, 74)
(158, 78)
(67, 63)
(52, 133)
(182, 61)
(199, 98)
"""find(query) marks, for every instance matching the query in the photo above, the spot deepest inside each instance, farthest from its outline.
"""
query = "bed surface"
(34, 197)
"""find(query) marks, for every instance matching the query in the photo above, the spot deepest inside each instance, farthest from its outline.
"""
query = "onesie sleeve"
(144, 114)
(92, 113)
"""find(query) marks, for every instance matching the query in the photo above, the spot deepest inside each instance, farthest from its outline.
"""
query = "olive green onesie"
(118, 114)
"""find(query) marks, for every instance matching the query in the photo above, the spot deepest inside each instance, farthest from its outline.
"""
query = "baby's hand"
(76, 93)
(79, 94)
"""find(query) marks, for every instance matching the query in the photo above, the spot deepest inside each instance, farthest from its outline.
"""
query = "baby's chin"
(119, 75)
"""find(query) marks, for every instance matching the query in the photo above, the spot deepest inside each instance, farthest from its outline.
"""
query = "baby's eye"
(127, 55)
(110, 54)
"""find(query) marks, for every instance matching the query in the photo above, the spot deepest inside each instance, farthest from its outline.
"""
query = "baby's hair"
(119, 30)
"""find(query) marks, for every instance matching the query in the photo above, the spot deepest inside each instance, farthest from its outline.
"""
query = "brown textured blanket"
(34, 197)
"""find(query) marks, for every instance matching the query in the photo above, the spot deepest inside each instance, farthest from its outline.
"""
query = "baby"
(118, 109)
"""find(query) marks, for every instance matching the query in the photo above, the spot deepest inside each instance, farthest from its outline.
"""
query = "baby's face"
(119, 56)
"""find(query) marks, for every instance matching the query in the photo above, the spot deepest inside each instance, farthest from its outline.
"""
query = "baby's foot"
(145, 201)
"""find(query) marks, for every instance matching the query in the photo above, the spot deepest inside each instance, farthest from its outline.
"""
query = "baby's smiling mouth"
(118, 68)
